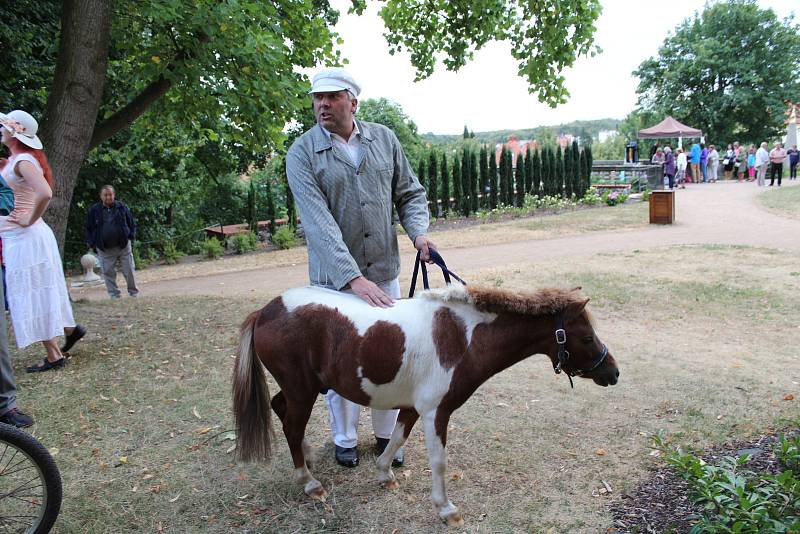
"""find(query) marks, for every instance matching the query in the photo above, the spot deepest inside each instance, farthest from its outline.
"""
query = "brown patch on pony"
(545, 301)
(381, 352)
(272, 311)
(450, 336)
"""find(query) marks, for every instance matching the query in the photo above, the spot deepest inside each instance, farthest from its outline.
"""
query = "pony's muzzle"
(607, 374)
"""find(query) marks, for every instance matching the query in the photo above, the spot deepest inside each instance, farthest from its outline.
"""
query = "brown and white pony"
(425, 355)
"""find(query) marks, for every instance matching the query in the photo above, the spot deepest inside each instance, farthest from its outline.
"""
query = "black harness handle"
(438, 260)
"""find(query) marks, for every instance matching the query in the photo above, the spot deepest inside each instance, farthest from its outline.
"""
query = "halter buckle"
(561, 336)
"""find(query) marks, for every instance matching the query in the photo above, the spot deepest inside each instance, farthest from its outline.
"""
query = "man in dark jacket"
(110, 230)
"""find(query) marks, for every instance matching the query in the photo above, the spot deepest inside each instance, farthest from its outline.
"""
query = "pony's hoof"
(455, 520)
(390, 484)
(318, 494)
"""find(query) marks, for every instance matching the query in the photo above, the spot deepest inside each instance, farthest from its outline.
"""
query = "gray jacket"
(346, 210)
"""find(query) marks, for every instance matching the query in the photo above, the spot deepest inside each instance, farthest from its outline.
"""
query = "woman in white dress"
(37, 291)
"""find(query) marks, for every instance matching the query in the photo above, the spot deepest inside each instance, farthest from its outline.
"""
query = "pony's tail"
(251, 408)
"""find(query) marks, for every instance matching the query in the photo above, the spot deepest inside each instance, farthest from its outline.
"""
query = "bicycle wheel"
(30, 484)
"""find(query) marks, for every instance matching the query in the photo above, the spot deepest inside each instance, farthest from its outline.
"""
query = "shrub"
(212, 248)
(645, 195)
(171, 254)
(736, 499)
(142, 260)
(242, 243)
(592, 197)
(614, 197)
(284, 237)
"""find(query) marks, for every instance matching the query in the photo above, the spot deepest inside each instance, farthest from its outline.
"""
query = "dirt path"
(722, 213)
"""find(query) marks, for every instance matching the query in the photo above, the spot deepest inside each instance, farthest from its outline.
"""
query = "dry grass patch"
(706, 339)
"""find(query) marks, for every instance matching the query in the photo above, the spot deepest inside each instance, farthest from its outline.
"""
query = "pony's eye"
(587, 339)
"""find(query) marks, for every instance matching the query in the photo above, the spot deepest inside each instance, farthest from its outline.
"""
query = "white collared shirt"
(351, 147)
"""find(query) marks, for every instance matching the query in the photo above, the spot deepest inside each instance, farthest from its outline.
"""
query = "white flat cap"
(334, 79)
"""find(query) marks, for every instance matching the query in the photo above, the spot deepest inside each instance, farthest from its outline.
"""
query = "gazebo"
(669, 128)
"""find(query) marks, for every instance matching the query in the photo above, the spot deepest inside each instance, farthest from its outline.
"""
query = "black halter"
(563, 353)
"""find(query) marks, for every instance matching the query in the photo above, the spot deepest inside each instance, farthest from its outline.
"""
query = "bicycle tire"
(17, 450)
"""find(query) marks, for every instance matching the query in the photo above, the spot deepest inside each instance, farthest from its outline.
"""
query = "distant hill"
(581, 129)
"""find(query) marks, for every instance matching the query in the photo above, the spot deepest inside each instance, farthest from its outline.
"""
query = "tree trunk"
(74, 100)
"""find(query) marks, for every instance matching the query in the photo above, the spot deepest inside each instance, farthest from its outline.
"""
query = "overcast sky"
(488, 95)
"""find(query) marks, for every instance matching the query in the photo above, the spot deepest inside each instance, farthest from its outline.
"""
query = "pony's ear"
(574, 309)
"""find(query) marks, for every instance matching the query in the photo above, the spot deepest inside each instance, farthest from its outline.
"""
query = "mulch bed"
(662, 504)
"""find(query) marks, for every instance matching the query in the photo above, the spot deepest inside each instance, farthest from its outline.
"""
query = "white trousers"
(344, 413)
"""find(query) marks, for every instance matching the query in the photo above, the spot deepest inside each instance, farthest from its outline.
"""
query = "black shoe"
(46, 365)
(16, 418)
(380, 446)
(73, 338)
(347, 457)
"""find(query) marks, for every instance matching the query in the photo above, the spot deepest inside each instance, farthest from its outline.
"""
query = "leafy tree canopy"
(391, 114)
(727, 71)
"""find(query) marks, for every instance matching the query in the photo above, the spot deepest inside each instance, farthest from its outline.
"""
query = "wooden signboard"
(662, 207)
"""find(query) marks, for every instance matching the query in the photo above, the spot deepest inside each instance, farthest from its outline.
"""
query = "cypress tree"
(501, 189)
(546, 171)
(252, 219)
(445, 176)
(553, 169)
(584, 173)
(559, 174)
(433, 167)
(474, 182)
(492, 179)
(528, 170)
(466, 180)
(483, 169)
(509, 192)
(568, 171)
(456, 182)
(421, 173)
(576, 170)
(291, 209)
(536, 174)
(588, 178)
(519, 182)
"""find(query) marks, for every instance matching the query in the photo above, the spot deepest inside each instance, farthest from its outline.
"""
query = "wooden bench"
(222, 232)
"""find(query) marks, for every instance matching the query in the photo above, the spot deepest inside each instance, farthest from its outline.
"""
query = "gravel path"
(723, 213)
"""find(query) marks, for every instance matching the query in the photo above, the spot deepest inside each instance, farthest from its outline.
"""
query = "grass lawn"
(783, 201)
(705, 337)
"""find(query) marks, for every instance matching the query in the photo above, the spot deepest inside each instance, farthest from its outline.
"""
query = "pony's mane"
(544, 301)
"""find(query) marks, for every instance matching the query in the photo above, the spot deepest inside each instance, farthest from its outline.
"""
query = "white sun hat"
(334, 79)
(22, 127)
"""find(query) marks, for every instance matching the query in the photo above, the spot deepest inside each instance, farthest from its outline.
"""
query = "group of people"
(701, 164)
(34, 288)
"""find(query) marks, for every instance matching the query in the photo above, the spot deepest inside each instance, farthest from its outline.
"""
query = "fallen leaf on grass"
(456, 476)
(788, 397)
(175, 498)
(123, 459)
(600, 452)
(53, 451)
(502, 405)
(407, 473)
(195, 412)
(103, 397)
(230, 449)
(204, 430)
(243, 476)
(156, 488)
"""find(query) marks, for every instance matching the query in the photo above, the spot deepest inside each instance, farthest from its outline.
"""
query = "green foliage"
(432, 192)
(142, 258)
(586, 130)
(284, 237)
(725, 71)
(592, 197)
(736, 499)
(545, 36)
(445, 176)
(788, 452)
(457, 185)
(614, 197)
(170, 253)
(245, 242)
(519, 181)
(212, 248)
(391, 115)
(646, 195)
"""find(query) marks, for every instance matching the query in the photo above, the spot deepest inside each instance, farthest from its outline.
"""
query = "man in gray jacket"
(346, 175)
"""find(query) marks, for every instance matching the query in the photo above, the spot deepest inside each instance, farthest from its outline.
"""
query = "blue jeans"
(704, 170)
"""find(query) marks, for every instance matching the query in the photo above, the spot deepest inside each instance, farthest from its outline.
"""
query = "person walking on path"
(110, 231)
(10, 414)
(694, 161)
(794, 158)
(713, 163)
(776, 157)
(346, 176)
(37, 291)
(762, 159)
